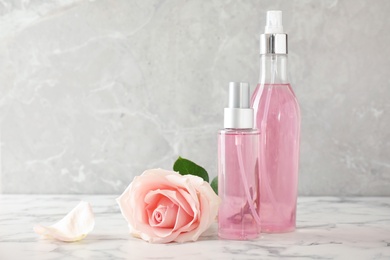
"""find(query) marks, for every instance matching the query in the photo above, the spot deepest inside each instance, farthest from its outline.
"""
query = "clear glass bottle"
(238, 169)
(277, 116)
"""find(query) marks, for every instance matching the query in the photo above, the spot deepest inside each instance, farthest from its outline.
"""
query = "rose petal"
(209, 202)
(73, 227)
(173, 195)
(182, 220)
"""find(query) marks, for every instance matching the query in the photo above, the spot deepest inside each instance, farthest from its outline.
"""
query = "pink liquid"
(277, 116)
(238, 184)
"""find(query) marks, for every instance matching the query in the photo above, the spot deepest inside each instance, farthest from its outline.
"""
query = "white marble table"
(328, 228)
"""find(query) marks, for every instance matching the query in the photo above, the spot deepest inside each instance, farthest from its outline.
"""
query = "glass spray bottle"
(277, 116)
(238, 168)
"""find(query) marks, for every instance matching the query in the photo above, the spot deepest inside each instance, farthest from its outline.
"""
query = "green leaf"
(214, 184)
(185, 166)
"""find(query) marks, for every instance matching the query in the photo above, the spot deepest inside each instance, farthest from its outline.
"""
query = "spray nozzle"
(274, 22)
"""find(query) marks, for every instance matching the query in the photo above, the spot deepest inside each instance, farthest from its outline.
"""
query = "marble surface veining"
(328, 228)
(92, 93)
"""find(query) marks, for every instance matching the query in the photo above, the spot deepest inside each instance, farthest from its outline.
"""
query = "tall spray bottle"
(277, 116)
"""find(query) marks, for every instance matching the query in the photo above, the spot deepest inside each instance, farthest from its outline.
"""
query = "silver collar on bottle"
(273, 43)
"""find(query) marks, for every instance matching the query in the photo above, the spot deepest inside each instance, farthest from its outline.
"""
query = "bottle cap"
(238, 114)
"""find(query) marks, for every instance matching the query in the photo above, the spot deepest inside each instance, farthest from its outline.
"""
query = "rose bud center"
(165, 214)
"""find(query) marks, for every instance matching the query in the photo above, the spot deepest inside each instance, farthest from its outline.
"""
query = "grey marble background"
(94, 92)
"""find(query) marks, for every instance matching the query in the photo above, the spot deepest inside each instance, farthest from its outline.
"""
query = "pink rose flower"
(163, 206)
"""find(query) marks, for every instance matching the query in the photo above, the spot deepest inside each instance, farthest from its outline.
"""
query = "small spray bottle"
(238, 168)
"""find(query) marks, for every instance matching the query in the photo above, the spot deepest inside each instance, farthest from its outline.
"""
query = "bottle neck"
(273, 69)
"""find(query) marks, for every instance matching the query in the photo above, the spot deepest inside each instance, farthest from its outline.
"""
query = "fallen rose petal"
(73, 227)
